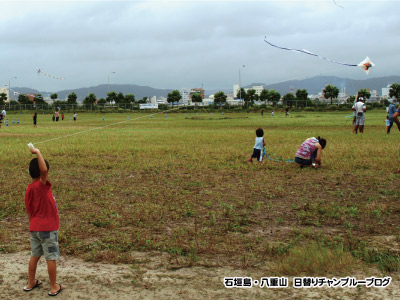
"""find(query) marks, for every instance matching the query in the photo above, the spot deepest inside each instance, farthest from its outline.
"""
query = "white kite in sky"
(366, 64)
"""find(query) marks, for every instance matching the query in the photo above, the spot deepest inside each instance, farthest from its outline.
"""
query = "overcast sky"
(188, 43)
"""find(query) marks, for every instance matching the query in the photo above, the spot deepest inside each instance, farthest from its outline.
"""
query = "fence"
(135, 106)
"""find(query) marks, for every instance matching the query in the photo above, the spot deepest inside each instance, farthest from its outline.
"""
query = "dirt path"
(148, 278)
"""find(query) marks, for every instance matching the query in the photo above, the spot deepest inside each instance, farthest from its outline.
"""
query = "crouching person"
(309, 153)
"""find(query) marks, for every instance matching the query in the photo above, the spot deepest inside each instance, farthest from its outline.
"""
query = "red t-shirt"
(41, 207)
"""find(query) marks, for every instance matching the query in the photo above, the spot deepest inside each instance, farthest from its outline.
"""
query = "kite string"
(101, 127)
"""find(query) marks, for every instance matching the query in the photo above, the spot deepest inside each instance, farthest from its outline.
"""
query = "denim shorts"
(45, 243)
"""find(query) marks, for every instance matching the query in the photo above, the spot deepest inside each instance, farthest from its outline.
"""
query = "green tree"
(71, 99)
(385, 102)
(302, 95)
(330, 92)
(241, 94)
(111, 97)
(102, 101)
(39, 99)
(120, 99)
(90, 99)
(129, 98)
(143, 100)
(251, 96)
(174, 96)
(351, 100)
(288, 99)
(196, 98)
(53, 96)
(23, 99)
(395, 91)
(274, 96)
(264, 95)
(220, 97)
(364, 93)
(3, 98)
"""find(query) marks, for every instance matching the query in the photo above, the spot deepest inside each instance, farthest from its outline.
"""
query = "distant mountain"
(101, 91)
(313, 86)
(316, 84)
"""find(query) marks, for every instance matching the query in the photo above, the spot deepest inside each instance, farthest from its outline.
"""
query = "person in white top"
(360, 109)
(258, 146)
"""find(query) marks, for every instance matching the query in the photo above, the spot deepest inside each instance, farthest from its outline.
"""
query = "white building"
(257, 88)
(235, 90)
(5, 91)
(185, 98)
(161, 100)
(385, 91)
(374, 96)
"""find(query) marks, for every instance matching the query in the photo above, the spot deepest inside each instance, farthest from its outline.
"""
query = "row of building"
(186, 95)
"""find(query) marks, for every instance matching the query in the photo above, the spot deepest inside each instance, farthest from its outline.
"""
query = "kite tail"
(309, 53)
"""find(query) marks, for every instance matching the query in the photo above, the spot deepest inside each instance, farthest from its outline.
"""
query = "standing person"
(262, 112)
(360, 110)
(258, 146)
(287, 111)
(272, 113)
(57, 114)
(62, 117)
(309, 153)
(54, 117)
(396, 117)
(43, 216)
(4, 113)
(391, 111)
(75, 116)
(387, 124)
(1, 119)
(34, 116)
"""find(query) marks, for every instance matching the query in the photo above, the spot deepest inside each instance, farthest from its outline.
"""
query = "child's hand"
(34, 150)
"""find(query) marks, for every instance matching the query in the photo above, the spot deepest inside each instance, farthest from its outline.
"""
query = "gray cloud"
(175, 44)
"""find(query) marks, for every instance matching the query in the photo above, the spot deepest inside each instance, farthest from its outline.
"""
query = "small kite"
(366, 64)
(337, 4)
(39, 71)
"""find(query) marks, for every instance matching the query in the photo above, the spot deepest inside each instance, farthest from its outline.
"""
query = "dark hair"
(259, 132)
(34, 170)
(322, 142)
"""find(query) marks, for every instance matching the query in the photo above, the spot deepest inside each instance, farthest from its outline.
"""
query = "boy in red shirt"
(44, 223)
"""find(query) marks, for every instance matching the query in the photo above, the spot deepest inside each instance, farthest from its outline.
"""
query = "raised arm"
(44, 173)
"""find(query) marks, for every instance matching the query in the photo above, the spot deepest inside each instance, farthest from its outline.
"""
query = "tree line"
(300, 98)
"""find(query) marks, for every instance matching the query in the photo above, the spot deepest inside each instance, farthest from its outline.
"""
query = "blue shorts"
(45, 243)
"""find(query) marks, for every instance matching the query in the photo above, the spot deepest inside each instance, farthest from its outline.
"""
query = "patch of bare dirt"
(150, 277)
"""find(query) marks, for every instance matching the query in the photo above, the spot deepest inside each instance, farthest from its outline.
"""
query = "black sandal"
(37, 284)
(56, 293)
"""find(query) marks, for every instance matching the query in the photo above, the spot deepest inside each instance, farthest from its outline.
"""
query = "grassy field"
(183, 186)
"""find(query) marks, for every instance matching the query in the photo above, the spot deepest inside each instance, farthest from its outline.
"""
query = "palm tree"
(330, 91)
